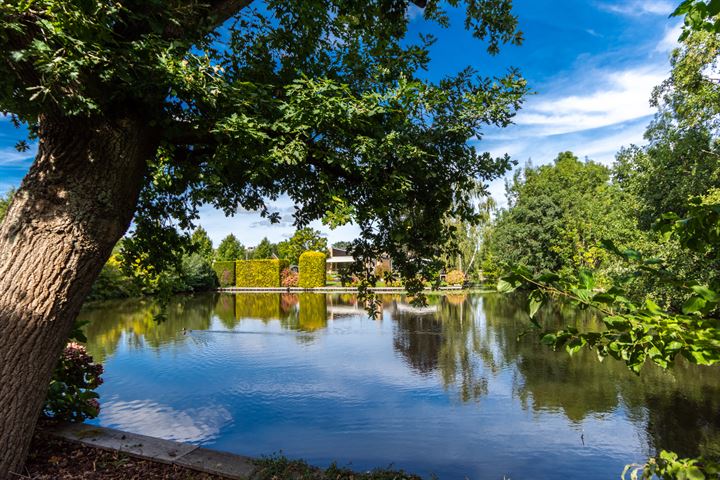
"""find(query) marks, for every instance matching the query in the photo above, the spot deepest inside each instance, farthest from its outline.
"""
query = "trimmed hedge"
(312, 270)
(259, 273)
(225, 272)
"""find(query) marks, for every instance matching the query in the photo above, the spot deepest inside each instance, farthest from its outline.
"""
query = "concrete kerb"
(157, 450)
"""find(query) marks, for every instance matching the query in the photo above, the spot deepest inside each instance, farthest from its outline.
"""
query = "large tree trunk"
(72, 207)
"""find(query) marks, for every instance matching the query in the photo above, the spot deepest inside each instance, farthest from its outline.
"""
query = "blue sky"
(591, 63)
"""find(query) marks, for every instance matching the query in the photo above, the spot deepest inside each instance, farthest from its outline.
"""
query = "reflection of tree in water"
(418, 339)
(679, 408)
(135, 318)
(461, 351)
(465, 341)
(445, 341)
(225, 309)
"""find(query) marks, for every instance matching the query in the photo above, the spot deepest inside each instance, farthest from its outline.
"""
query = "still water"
(447, 390)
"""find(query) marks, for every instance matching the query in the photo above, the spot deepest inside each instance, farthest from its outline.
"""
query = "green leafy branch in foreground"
(700, 15)
(636, 332)
(667, 465)
(639, 331)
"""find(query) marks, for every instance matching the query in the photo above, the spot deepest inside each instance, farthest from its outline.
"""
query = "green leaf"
(504, 286)
(694, 473)
(693, 304)
(617, 323)
(586, 279)
(706, 293)
(653, 307)
(537, 298)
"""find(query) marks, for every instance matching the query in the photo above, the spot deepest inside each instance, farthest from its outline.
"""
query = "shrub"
(259, 273)
(113, 283)
(197, 273)
(225, 272)
(71, 395)
(381, 270)
(312, 270)
(288, 278)
(455, 277)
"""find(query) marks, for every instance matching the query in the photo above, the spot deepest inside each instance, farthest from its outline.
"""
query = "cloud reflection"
(145, 417)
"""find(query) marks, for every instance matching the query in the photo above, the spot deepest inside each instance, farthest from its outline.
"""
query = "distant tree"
(202, 244)
(558, 214)
(682, 158)
(303, 240)
(265, 249)
(342, 245)
(230, 249)
(5, 202)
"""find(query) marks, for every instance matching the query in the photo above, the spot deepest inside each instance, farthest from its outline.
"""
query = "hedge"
(259, 273)
(225, 272)
(312, 270)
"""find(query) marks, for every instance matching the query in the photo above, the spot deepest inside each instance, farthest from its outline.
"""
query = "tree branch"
(207, 18)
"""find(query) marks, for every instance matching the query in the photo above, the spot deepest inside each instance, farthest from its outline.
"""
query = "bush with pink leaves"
(71, 396)
(288, 278)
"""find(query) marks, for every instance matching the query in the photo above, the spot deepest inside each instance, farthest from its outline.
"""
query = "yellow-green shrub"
(455, 277)
(225, 272)
(259, 273)
(312, 270)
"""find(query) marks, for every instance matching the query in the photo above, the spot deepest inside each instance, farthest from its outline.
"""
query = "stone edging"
(157, 450)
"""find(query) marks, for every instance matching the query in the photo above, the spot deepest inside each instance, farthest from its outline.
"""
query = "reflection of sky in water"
(451, 393)
(149, 418)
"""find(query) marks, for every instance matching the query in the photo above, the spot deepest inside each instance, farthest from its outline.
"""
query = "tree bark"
(73, 206)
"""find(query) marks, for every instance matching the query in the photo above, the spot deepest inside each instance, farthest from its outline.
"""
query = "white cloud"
(639, 7)
(604, 99)
(11, 158)
(597, 144)
(670, 40)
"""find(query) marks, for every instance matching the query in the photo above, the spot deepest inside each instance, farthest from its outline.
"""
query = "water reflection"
(465, 344)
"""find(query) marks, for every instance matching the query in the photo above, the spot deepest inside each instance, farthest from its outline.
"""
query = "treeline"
(303, 239)
(558, 215)
(193, 271)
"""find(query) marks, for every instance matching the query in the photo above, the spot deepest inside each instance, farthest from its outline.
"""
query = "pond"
(447, 390)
